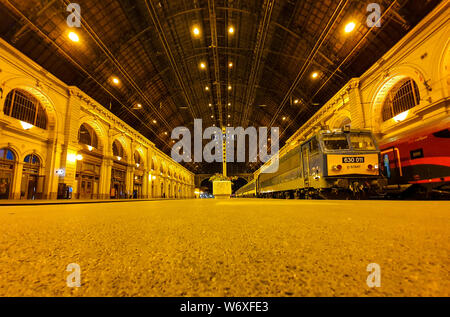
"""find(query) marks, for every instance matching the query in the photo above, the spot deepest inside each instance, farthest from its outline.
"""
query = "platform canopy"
(161, 64)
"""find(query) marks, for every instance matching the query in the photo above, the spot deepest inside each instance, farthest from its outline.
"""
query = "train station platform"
(234, 248)
(73, 201)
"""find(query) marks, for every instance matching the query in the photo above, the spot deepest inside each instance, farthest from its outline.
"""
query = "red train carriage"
(418, 163)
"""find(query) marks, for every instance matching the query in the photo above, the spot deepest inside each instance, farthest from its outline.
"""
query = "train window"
(416, 154)
(314, 146)
(443, 134)
(336, 142)
(362, 142)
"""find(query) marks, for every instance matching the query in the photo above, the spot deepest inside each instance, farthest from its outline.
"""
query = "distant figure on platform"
(113, 193)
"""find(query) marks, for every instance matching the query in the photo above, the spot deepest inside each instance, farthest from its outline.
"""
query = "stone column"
(105, 178)
(17, 181)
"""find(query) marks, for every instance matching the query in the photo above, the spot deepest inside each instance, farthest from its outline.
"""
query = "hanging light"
(196, 31)
(350, 27)
(74, 37)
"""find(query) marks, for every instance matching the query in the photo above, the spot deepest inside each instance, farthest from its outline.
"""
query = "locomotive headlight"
(337, 167)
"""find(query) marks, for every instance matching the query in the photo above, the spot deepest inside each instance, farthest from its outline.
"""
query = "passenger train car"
(247, 191)
(331, 164)
(417, 164)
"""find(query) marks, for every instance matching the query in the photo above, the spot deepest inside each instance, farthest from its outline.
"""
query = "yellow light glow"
(137, 165)
(79, 157)
(401, 117)
(231, 30)
(350, 27)
(229, 116)
(202, 65)
(210, 105)
(139, 105)
(230, 65)
(116, 80)
(284, 118)
(154, 121)
(315, 75)
(153, 177)
(90, 148)
(26, 125)
(74, 37)
(119, 158)
(207, 88)
(212, 117)
(72, 158)
(229, 87)
(296, 101)
(196, 31)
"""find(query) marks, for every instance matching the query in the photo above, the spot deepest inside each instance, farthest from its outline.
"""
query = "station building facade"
(57, 142)
(407, 90)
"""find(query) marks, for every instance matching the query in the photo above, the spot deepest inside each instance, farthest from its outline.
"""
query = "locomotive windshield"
(362, 142)
(335, 142)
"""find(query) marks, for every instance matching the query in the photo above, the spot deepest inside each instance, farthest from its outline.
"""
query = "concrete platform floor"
(226, 248)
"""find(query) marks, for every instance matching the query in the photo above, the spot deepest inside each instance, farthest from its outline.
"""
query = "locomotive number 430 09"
(347, 160)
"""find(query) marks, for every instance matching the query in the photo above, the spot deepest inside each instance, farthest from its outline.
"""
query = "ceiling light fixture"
(231, 30)
(196, 31)
(74, 37)
(350, 27)
(230, 65)
(202, 65)
(315, 75)
(116, 80)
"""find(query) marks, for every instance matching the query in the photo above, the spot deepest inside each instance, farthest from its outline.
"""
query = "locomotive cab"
(351, 160)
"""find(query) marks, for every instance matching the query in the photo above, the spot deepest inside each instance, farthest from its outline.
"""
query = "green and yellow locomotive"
(331, 164)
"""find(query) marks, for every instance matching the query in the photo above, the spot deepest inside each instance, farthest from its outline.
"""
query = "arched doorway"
(163, 194)
(206, 186)
(138, 176)
(32, 186)
(88, 169)
(118, 172)
(7, 165)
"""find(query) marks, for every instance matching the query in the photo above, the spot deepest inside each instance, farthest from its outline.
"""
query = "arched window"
(24, 106)
(32, 160)
(87, 136)
(402, 97)
(118, 149)
(32, 164)
(7, 155)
